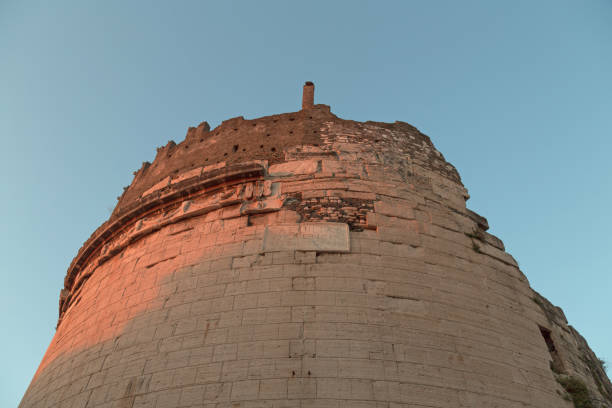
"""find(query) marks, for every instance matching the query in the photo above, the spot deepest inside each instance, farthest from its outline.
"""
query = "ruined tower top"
(239, 147)
(239, 140)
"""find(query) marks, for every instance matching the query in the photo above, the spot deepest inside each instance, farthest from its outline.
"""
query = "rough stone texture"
(302, 260)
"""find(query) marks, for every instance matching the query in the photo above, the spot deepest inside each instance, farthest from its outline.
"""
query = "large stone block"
(294, 168)
(308, 236)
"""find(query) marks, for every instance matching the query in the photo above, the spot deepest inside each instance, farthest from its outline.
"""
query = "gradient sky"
(516, 94)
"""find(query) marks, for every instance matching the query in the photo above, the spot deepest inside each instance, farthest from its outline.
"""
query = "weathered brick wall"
(346, 272)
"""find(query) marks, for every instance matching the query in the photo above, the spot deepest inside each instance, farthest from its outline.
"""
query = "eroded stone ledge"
(178, 201)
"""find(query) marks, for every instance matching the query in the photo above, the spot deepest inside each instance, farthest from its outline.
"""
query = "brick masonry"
(329, 264)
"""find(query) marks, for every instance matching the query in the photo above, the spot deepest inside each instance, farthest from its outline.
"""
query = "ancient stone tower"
(305, 261)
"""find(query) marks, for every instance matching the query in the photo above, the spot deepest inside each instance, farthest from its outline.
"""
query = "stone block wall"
(343, 273)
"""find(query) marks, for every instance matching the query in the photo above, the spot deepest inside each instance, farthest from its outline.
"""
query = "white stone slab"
(164, 183)
(294, 168)
(307, 236)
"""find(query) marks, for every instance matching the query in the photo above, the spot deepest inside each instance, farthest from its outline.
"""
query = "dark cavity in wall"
(556, 365)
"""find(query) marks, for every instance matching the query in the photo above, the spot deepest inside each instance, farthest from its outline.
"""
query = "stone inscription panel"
(307, 236)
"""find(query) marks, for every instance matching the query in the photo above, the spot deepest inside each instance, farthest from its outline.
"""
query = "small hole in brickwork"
(169, 155)
(273, 149)
(310, 117)
(224, 154)
(291, 132)
(244, 150)
(201, 140)
(261, 146)
(206, 160)
(316, 144)
(314, 131)
(291, 119)
(186, 146)
(235, 129)
(293, 373)
(267, 134)
(254, 124)
(235, 148)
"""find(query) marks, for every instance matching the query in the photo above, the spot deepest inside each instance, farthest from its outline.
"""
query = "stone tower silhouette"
(305, 261)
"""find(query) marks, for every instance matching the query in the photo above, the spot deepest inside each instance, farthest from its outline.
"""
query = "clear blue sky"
(516, 94)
